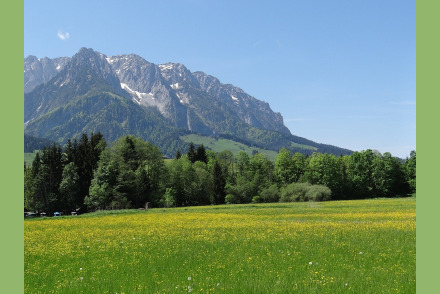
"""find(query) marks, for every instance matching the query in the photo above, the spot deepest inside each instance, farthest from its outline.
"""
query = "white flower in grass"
(310, 263)
(81, 278)
(80, 268)
(189, 278)
(360, 252)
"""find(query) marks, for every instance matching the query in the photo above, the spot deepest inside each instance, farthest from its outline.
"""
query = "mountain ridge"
(168, 96)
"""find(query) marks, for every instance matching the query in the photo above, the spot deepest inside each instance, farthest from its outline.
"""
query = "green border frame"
(11, 120)
(428, 142)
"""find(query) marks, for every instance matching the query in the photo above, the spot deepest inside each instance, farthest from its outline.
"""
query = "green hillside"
(219, 145)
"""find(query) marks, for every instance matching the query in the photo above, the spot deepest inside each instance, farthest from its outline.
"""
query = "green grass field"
(363, 246)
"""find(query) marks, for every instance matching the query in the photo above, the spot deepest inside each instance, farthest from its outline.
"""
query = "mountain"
(32, 143)
(125, 94)
(38, 71)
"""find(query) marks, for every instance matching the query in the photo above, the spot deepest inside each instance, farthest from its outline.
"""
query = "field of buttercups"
(363, 246)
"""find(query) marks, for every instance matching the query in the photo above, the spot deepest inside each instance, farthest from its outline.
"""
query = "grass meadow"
(219, 145)
(363, 246)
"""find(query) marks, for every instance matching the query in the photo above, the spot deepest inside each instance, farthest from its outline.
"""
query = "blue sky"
(340, 72)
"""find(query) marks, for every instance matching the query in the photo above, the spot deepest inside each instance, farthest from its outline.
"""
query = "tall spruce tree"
(219, 183)
(201, 154)
(178, 154)
(192, 154)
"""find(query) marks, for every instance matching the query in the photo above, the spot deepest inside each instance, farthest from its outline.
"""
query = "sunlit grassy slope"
(364, 246)
(219, 145)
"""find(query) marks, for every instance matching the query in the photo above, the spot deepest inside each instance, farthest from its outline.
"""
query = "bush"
(318, 193)
(294, 192)
(169, 198)
(230, 199)
(305, 192)
(243, 192)
(270, 194)
(256, 199)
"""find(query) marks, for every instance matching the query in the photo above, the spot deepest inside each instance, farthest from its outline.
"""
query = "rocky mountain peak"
(40, 70)
(175, 73)
(126, 94)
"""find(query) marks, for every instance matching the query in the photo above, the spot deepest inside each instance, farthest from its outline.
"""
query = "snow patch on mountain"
(180, 98)
(137, 96)
(166, 66)
(176, 86)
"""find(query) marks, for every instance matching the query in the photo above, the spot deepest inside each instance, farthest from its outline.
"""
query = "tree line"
(88, 175)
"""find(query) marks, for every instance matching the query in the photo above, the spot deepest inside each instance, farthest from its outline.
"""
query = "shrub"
(270, 194)
(256, 199)
(169, 198)
(304, 192)
(294, 192)
(318, 193)
(230, 199)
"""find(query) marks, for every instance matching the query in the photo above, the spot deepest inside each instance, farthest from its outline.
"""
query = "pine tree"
(68, 152)
(142, 187)
(178, 154)
(201, 154)
(219, 183)
(69, 187)
(192, 155)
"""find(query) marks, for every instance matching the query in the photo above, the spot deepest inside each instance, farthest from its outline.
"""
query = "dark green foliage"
(132, 172)
(410, 171)
(219, 183)
(69, 188)
(298, 168)
(256, 199)
(59, 181)
(201, 154)
(43, 182)
(143, 187)
(32, 143)
(327, 170)
(270, 194)
(129, 174)
(192, 155)
(231, 199)
(359, 167)
(283, 167)
(178, 154)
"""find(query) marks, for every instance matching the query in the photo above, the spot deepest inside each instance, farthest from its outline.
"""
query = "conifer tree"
(219, 183)
(178, 154)
(192, 155)
(201, 154)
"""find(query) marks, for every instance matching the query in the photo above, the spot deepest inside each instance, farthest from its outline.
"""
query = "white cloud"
(63, 36)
